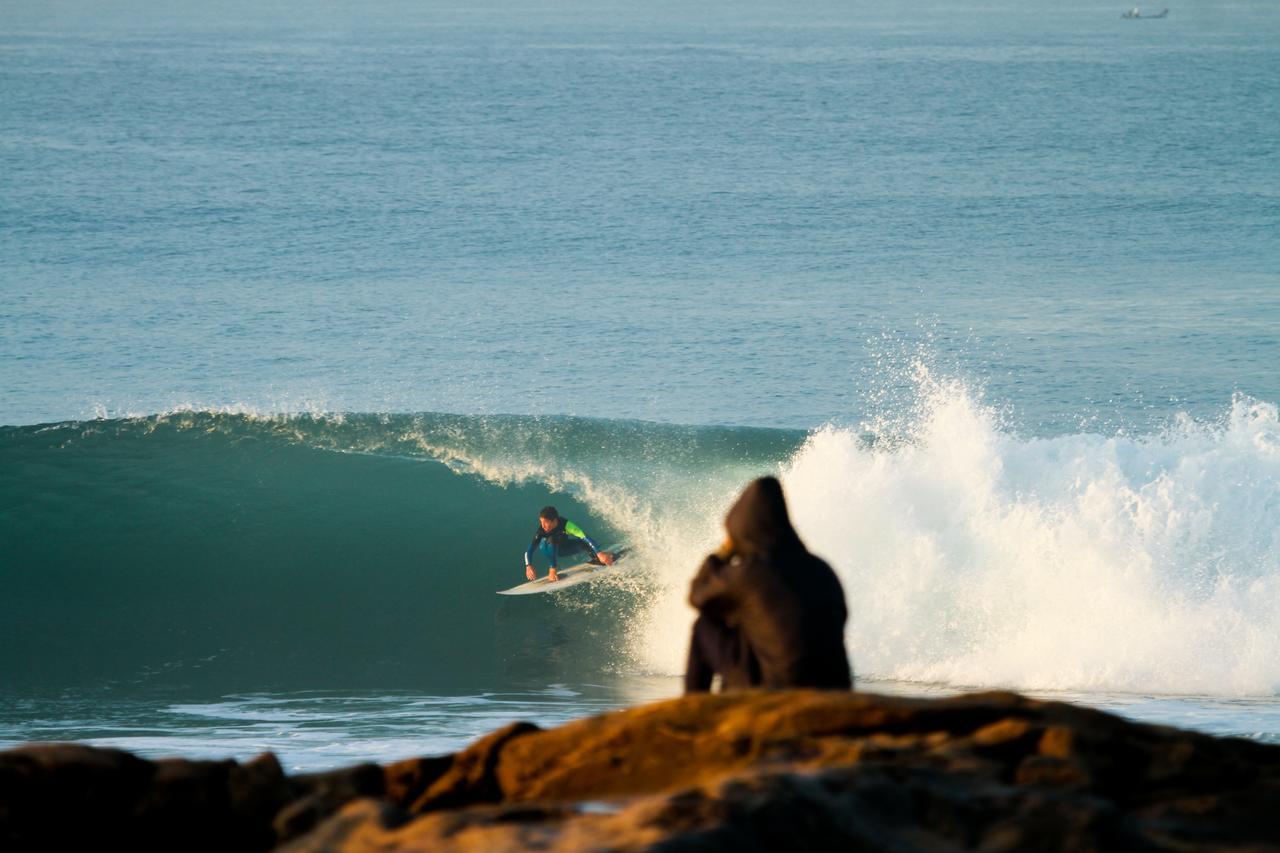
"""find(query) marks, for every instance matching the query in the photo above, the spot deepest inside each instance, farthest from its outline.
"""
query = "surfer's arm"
(528, 553)
(528, 560)
(577, 533)
(539, 534)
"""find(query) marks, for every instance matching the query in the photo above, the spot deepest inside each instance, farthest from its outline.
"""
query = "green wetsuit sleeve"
(576, 532)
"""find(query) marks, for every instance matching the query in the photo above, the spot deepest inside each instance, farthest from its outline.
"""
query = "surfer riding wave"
(555, 537)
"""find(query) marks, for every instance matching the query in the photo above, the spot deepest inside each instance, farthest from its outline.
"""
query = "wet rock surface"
(752, 771)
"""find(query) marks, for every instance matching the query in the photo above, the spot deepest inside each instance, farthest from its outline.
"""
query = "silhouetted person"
(771, 613)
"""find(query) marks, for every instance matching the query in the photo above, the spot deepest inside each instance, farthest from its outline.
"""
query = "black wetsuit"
(563, 539)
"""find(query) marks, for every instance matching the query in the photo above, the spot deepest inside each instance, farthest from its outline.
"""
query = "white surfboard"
(571, 576)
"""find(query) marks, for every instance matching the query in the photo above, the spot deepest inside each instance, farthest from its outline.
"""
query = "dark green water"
(220, 552)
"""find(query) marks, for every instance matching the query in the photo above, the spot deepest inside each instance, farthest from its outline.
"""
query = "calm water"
(710, 217)
(1024, 261)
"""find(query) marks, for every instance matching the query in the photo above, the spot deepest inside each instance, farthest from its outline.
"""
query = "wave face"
(230, 551)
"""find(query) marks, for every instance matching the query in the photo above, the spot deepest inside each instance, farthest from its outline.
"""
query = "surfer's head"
(548, 517)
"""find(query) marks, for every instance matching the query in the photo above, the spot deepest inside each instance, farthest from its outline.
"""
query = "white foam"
(278, 410)
(970, 556)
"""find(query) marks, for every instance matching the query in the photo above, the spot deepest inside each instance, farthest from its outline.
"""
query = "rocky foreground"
(745, 771)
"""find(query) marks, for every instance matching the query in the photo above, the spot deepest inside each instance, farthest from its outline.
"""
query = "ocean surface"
(306, 309)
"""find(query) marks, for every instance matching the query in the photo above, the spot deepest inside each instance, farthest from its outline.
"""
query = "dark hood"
(758, 522)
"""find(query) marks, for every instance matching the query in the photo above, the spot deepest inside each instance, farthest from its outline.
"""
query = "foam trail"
(972, 557)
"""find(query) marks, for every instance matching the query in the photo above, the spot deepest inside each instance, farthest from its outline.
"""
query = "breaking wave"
(228, 550)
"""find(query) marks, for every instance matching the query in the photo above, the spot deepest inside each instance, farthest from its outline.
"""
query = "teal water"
(304, 310)
(207, 552)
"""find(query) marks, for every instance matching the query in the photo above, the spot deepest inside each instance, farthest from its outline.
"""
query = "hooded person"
(770, 613)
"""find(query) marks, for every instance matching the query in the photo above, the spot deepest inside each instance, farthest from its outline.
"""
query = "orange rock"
(756, 770)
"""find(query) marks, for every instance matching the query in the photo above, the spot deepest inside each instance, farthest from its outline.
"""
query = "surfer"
(556, 536)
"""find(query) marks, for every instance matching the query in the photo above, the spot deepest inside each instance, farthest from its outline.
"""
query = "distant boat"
(1134, 14)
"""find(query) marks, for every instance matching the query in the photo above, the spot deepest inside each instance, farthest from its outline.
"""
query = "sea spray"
(971, 556)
